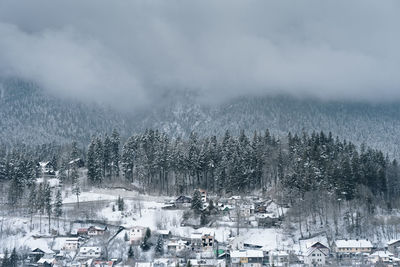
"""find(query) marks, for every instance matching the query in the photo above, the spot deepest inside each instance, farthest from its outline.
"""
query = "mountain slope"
(376, 125)
(30, 115)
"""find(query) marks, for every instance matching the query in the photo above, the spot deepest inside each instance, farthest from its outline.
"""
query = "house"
(82, 231)
(71, 244)
(319, 245)
(279, 258)
(207, 262)
(47, 262)
(38, 253)
(46, 168)
(183, 201)
(166, 234)
(247, 258)
(77, 162)
(348, 248)
(165, 262)
(207, 241)
(394, 246)
(100, 263)
(233, 199)
(90, 252)
(196, 240)
(266, 220)
(95, 231)
(315, 256)
(203, 194)
(380, 256)
(137, 234)
(175, 246)
(245, 211)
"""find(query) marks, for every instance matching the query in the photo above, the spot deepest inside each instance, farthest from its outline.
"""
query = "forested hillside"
(29, 115)
(312, 174)
(377, 125)
(32, 116)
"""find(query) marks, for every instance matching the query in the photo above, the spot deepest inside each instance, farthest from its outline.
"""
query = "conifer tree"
(40, 204)
(196, 204)
(76, 189)
(91, 162)
(5, 262)
(131, 252)
(58, 208)
(107, 157)
(115, 141)
(13, 260)
(48, 202)
(32, 205)
(159, 249)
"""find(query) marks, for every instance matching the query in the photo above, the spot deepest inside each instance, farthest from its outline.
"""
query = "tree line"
(228, 164)
(242, 164)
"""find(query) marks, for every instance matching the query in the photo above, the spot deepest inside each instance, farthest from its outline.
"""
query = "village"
(237, 231)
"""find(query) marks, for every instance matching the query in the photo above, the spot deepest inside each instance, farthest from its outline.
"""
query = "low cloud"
(129, 53)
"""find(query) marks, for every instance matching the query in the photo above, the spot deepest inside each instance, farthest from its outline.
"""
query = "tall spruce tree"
(196, 204)
(47, 202)
(115, 141)
(58, 211)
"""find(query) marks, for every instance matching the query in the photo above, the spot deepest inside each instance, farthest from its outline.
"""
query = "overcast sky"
(130, 52)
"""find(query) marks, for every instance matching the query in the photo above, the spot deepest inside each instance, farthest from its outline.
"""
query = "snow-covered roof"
(279, 253)
(74, 160)
(196, 236)
(176, 242)
(391, 242)
(46, 260)
(315, 244)
(361, 243)
(44, 163)
(97, 228)
(251, 253)
(382, 254)
(44, 249)
(164, 232)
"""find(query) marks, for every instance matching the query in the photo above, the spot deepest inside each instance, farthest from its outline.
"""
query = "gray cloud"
(130, 52)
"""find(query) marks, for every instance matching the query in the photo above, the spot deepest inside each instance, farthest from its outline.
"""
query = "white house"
(47, 261)
(351, 247)
(137, 234)
(71, 244)
(315, 256)
(208, 262)
(90, 252)
(196, 241)
(94, 230)
(319, 245)
(176, 246)
(380, 255)
(247, 258)
(279, 258)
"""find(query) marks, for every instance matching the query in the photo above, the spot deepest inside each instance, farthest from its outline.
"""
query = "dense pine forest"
(156, 163)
